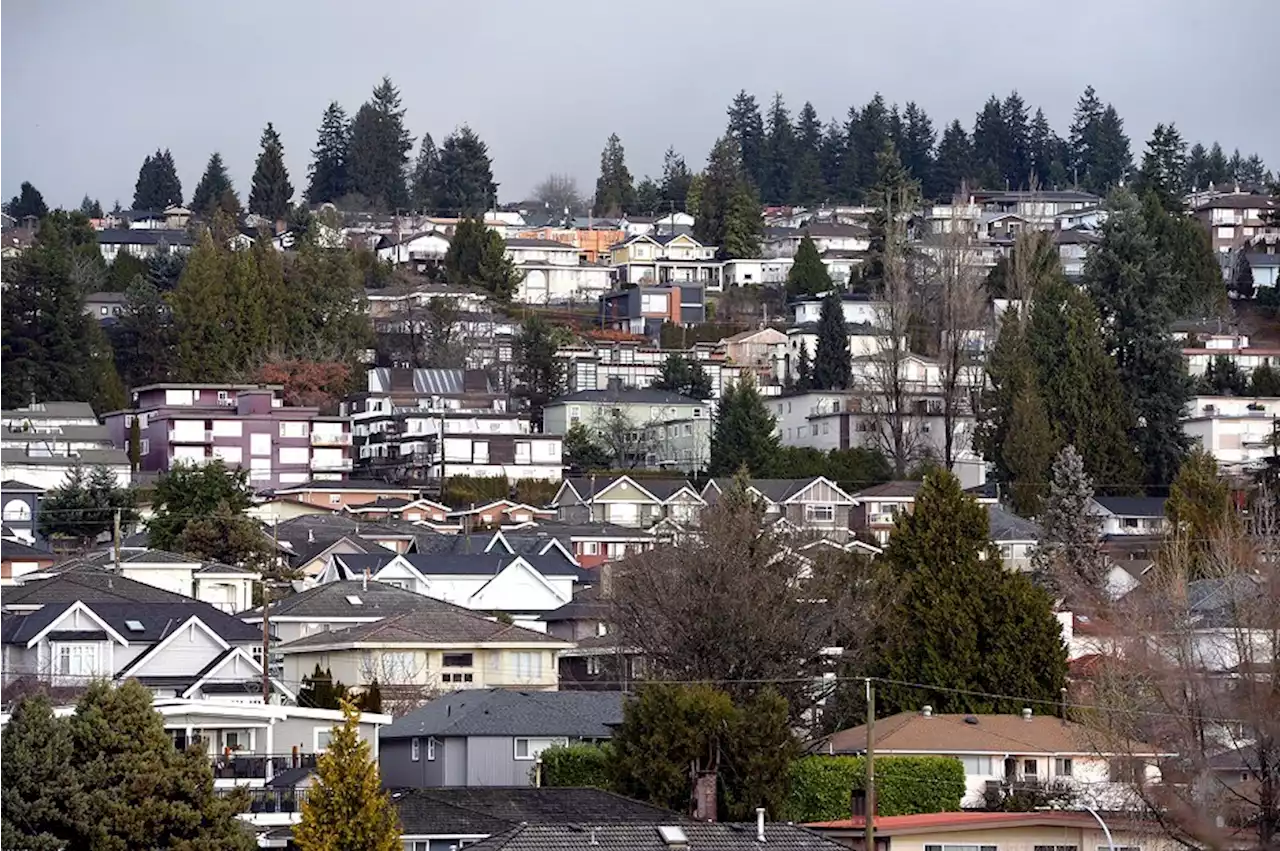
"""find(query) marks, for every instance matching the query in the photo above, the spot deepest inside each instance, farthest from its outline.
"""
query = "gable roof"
(898, 490)
(377, 600)
(774, 490)
(431, 622)
(15, 486)
(1132, 506)
(627, 396)
(486, 810)
(158, 620)
(477, 563)
(1007, 526)
(913, 732)
(90, 585)
(11, 550)
(507, 712)
(712, 836)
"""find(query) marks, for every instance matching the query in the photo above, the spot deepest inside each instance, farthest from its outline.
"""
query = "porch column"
(270, 749)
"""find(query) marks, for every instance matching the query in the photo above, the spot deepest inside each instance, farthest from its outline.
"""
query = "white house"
(41, 443)
(223, 586)
(858, 309)
(784, 242)
(1129, 515)
(424, 246)
(1238, 431)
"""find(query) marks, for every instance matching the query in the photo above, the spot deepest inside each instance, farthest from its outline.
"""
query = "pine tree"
(41, 788)
(90, 208)
(378, 150)
(779, 154)
(1018, 162)
(804, 369)
(347, 809)
(1242, 276)
(426, 176)
(1223, 378)
(808, 187)
(1200, 510)
(1216, 166)
(328, 180)
(539, 377)
(832, 366)
(832, 153)
(961, 622)
(1115, 162)
(648, 197)
(465, 184)
(27, 203)
(615, 191)
(1028, 449)
(953, 165)
(746, 130)
(808, 275)
(319, 691)
(869, 133)
(744, 433)
(158, 186)
(675, 182)
(214, 191)
(1069, 558)
(917, 145)
(272, 193)
(1196, 174)
(990, 145)
(1164, 167)
(744, 224)
(477, 258)
(728, 213)
(893, 195)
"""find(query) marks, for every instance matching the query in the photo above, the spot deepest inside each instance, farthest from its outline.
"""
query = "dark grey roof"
(775, 490)
(477, 563)
(86, 457)
(1224, 602)
(551, 244)
(377, 600)
(159, 557)
(50, 410)
(90, 585)
(523, 542)
(143, 236)
(433, 622)
(722, 836)
(477, 810)
(10, 549)
(15, 486)
(505, 712)
(663, 489)
(157, 619)
(1006, 526)
(567, 531)
(890, 489)
(1132, 506)
(627, 395)
(585, 605)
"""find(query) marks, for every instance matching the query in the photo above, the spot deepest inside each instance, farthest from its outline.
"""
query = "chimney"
(926, 711)
(1026, 713)
(606, 580)
(759, 824)
(857, 803)
(311, 536)
(704, 796)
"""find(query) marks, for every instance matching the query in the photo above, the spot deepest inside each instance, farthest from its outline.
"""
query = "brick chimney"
(704, 796)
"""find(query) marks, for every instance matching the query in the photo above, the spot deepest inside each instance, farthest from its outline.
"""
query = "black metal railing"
(270, 800)
(239, 766)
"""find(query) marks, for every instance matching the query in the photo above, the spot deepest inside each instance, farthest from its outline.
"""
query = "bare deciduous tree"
(559, 192)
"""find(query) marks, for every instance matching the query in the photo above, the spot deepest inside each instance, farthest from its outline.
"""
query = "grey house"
(491, 737)
(21, 505)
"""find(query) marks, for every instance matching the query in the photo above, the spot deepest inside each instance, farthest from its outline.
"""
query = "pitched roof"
(722, 836)
(15, 486)
(158, 620)
(587, 604)
(431, 622)
(662, 489)
(913, 732)
(143, 236)
(890, 489)
(86, 457)
(549, 244)
(1007, 526)
(90, 585)
(10, 550)
(377, 600)
(627, 395)
(506, 712)
(49, 411)
(475, 810)
(1132, 506)
(478, 563)
(971, 820)
(775, 490)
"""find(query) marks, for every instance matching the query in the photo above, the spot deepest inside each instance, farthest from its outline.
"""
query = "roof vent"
(672, 836)
(1026, 713)
(971, 719)
(926, 711)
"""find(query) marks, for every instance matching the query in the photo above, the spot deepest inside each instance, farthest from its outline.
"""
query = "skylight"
(354, 600)
(134, 626)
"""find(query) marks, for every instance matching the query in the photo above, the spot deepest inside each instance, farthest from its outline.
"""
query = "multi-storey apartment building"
(1232, 219)
(247, 426)
(595, 367)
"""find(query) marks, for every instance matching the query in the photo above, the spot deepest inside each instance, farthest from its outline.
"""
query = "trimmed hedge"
(905, 785)
(577, 765)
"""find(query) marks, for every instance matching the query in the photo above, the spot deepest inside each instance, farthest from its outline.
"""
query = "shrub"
(576, 765)
(905, 785)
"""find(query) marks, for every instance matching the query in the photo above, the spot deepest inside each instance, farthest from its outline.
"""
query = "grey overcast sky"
(89, 88)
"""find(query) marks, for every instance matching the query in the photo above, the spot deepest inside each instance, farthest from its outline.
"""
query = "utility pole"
(266, 642)
(115, 538)
(871, 766)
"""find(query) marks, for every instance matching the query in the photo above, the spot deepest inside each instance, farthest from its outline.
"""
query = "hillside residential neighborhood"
(871, 481)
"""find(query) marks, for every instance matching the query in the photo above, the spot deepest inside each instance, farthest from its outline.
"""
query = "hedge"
(576, 765)
(905, 785)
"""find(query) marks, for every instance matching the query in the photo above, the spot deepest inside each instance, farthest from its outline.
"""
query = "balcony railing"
(344, 465)
(340, 439)
(176, 436)
(237, 766)
(271, 800)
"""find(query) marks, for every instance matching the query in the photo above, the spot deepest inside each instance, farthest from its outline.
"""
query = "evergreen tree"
(953, 165)
(990, 145)
(1196, 174)
(893, 194)
(961, 622)
(188, 492)
(1017, 164)
(1028, 449)
(85, 505)
(41, 787)
(648, 197)
(615, 191)
(49, 342)
(744, 224)
(370, 700)
(378, 150)
(328, 178)
(465, 184)
(1131, 282)
(1265, 381)
(675, 182)
(744, 433)
(158, 186)
(1195, 283)
(808, 275)
(1235, 166)
(1115, 161)
(746, 130)
(917, 145)
(1223, 378)
(869, 133)
(214, 191)
(319, 691)
(684, 376)
(138, 790)
(728, 214)
(1069, 558)
(477, 257)
(539, 377)
(347, 809)
(1099, 148)
(1164, 167)
(1200, 510)
(272, 193)
(90, 208)
(28, 202)
(804, 369)
(426, 176)
(808, 186)
(832, 153)
(779, 154)
(582, 452)
(1216, 166)
(325, 304)
(832, 367)
(1242, 276)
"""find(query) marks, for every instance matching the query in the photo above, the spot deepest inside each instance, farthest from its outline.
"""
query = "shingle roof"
(159, 557)
(143, 236)
(377, 600)
(722, 836)
(776, 490)
(473, 810)
(90, 585)
(10, 549)
(663, 489)
(627, 395)
(478, 563)
(157, 619)
(505, 712)
(432, 622)
(15, 486)
(1132, 506)
(585, 605)
(912, 732)
(86, 457)
(1006, 526)
(50, 410)
(890, 489)
(551, 244)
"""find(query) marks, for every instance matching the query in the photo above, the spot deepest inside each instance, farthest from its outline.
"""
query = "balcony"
(237, 766)
(271, 800)
(340, 466)
(340, 439)
(194, 437)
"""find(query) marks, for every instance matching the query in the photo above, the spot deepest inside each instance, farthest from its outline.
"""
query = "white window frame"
(78, 651)
(535, 745)
(316, 733)
(431, 749)
(813, 510)
(415, 749)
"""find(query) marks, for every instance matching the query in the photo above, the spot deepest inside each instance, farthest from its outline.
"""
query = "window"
(826, 427)
(526, 666)
(293, 429)
(78, 660)
(335, 499)
(16, 510)
(591, 548)
(593, 666)
(322, 736)
(959, 848)
(1029, 767)
(814, 429)
(1055, 848)
(820, 513)
(1126, 770)
(531, 748)
(697, 413)
(457, 660)
(1130, 522)
(688, 430)
(976, 766)
(431, 750)
(457, 678)
(415, 749)
(1062, 766)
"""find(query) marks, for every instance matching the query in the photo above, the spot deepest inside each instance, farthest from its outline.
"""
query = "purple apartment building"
(246, 425)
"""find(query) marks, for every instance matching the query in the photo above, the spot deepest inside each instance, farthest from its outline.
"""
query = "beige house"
(972, 831)
(624, 501)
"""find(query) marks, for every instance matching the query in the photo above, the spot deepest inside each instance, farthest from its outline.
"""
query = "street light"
(1111, 843)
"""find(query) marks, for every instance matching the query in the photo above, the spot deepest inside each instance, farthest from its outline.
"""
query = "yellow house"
(993, 831)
